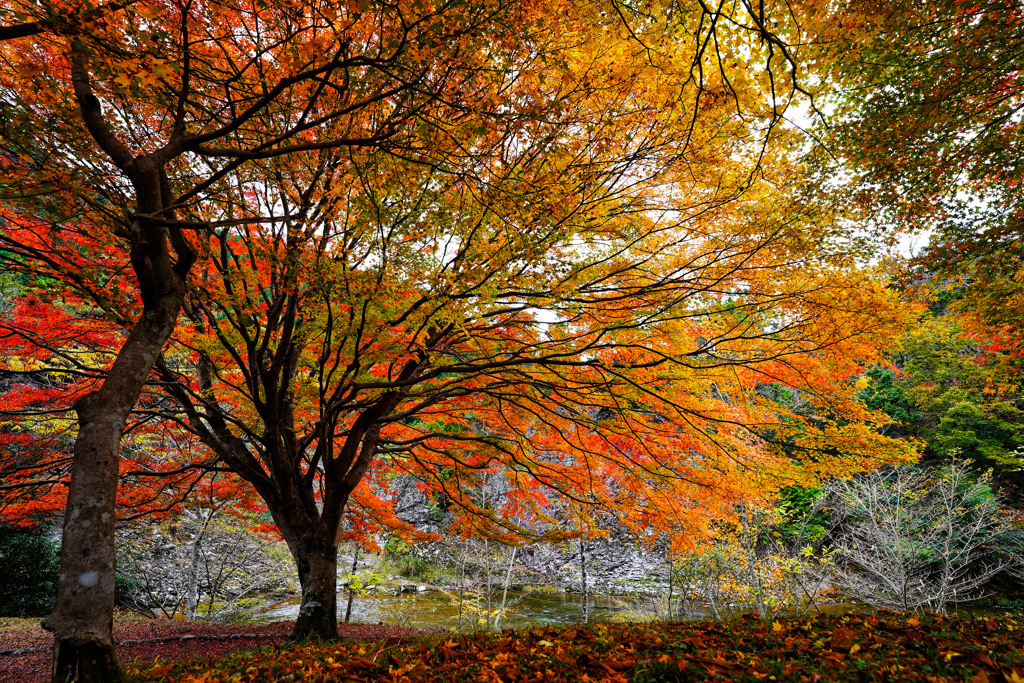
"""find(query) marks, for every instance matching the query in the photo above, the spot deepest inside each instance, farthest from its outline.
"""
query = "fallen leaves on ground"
(163, 640)
(827, 648)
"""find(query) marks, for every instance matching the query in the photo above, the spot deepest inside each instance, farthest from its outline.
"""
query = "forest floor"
(26, 649)
(877, 647)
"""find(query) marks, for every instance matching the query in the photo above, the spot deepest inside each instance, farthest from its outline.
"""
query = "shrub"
(31, 567)
(916, 538)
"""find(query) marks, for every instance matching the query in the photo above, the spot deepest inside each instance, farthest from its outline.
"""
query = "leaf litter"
(878, 647)
(26, 649)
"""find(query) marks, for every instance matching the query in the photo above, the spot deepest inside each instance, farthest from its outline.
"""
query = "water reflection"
(441, 609)
(525, 610)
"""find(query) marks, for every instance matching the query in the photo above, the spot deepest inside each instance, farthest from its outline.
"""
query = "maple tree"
(925, 121)
(532, 315)
(580, 257)
(120, 122)
(582, 274)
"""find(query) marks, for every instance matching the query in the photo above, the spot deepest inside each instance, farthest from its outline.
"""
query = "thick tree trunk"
(82, 622)
(317, 562)
(83, 619)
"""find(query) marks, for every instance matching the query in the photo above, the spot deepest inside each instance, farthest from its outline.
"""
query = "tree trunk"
(317, 562)
(583, 575)
(750, 547)
(192, 588)
(504, 592)
(487, 574)
(351, 590)
(668, 607)
(82, 622)
(462, 584)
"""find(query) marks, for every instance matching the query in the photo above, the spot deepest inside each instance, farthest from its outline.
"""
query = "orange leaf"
(161, 671)
(842, 638)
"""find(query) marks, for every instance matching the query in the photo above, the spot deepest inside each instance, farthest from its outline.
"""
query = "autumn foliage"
(580, 248)
(832, 648)
(546, 242)
(924, 106)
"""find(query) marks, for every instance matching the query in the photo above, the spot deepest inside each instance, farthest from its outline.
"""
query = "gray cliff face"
(414, 507)
(615, 562)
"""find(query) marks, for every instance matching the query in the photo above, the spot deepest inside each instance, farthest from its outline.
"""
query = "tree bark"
(82, 622)
(317, 562)
(192, 588)
(583, 575)
(351, 591)
(504, 592)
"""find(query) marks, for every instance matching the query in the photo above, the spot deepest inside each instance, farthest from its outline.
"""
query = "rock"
(412, 506)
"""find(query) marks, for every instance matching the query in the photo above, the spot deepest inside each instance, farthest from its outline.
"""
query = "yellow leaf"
(854, 649)
(149, 79)
(778, 627)
(148, 11)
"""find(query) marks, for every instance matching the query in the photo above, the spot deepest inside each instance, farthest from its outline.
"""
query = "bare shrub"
(921, 539)
(204, 561)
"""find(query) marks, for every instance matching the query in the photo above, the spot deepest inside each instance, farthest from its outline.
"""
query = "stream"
(440, 609)
(436, 608)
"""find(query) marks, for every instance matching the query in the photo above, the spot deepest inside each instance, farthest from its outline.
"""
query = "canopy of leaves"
(577, 274)
(953, 394)
(928, 128)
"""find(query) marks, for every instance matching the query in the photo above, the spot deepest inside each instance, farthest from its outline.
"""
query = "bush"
(31, 567)
(203, 563)
(916, 538)
(412, 567)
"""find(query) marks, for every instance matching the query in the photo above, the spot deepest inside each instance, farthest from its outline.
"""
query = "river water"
(435, 608)
(438, 608)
